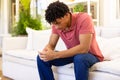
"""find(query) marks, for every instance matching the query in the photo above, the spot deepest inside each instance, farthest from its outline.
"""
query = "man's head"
(58, 14)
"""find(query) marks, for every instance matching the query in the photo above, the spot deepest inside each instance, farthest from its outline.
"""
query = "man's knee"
(81, 59)
(38, 58)
(85, 59)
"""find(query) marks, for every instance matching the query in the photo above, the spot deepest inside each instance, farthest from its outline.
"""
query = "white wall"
(108, 13)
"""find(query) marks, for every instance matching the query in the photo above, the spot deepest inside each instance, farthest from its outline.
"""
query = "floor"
(2, 77)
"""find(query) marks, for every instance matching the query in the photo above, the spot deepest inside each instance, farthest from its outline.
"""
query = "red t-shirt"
(81, 24)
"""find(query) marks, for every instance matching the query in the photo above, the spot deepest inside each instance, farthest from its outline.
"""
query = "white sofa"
(19, 56)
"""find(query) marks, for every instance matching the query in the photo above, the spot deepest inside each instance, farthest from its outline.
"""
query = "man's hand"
(47, 55)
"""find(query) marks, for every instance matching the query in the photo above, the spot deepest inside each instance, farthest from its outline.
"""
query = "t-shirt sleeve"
(87, 25)
(54, 30)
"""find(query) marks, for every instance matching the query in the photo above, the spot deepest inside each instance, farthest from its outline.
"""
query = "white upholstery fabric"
(26, 54)
(25, 57)
(24, 61)
(10, 43)
(98, 31)
(111, 67)
(92, 76)
(38, 39)
(110, 32)
(17, 71)
(29, 42)
(102, 76)
(66, 73)
(110, 47)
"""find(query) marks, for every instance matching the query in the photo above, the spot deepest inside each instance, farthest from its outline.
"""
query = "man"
(77, 32)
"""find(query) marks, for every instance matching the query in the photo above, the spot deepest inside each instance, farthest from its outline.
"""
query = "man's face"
(61, 23)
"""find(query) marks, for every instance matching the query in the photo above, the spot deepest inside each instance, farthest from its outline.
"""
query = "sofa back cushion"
(110, 47)
(110, 32)
(98, 31)
(29, 40)
(38, 39)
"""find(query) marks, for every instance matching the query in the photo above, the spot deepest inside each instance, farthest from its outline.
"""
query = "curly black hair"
(55, 10)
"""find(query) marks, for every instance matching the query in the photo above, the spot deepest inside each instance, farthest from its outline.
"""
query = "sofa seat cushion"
(66, 69)
(112, 67)
(25, 57)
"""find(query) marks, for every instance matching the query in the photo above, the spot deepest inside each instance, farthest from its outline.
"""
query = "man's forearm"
(71, 52)
(49, 46)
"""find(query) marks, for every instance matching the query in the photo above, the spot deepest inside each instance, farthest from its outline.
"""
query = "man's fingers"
(39, 52)
(42, 56)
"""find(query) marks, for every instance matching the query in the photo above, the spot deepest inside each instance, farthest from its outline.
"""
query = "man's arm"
(52, 42)
(83, 47)
(44, 55)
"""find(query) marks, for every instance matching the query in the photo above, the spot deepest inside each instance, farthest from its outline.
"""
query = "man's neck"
(70, 20)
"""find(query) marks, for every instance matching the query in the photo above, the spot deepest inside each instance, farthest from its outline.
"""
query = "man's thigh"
(61, 61)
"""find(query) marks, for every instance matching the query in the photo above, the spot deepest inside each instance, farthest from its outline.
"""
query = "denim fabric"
(82, 63)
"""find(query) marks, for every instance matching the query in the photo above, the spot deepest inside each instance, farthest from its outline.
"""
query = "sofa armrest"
(10, 43)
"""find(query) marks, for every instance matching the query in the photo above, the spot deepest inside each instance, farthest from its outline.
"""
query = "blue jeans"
(82, 63)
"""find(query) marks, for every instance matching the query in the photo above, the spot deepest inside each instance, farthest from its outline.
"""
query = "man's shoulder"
(82, 15)
(79, 16)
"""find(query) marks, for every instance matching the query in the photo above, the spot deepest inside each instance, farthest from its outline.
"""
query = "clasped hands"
(47, 54)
